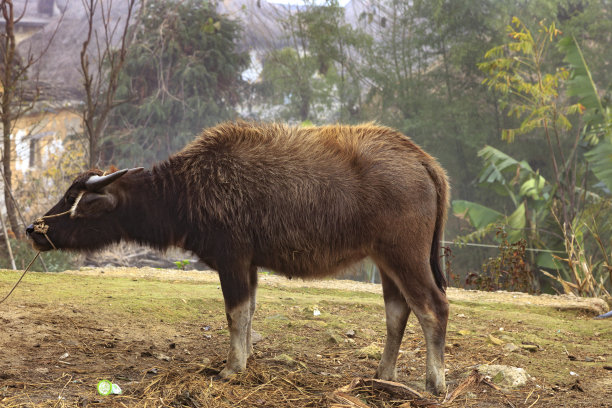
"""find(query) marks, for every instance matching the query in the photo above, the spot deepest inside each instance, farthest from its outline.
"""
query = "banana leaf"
(600, 159)
(581, 83)
(596, 115)
(477, 215)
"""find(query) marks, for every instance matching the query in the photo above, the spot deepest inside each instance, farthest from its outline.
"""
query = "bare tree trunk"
(100, 79)
(8, 93)
(8, 242)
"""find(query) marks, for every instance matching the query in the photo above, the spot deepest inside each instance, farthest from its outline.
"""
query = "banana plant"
(596, 115)
(529, 192)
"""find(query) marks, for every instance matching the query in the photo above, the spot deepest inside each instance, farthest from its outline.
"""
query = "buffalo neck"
(154, 209)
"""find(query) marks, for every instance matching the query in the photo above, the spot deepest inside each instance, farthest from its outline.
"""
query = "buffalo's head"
(86, 217)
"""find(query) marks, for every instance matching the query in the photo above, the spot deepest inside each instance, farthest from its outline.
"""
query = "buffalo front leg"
(238, 320)
(252, 304)
(236, 293)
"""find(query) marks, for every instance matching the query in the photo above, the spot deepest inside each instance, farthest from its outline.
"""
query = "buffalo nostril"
(30, 229)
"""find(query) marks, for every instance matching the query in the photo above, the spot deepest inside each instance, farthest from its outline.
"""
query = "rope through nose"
(42, 228)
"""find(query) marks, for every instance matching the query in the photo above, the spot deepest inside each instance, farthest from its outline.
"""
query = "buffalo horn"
(96, 183)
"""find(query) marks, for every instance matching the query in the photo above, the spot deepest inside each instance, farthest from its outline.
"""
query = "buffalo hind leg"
(430, 306)
(397, 312)
(235, 284)
(433, 318)
(414, 278)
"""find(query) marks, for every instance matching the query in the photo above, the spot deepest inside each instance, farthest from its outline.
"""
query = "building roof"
(57, 71)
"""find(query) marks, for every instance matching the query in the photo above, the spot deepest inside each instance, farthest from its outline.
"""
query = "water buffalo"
(304, 201)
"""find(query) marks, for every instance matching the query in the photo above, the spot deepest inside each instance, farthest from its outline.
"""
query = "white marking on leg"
(396, 312)
(434, 330)
(252, 305)
(238, 321)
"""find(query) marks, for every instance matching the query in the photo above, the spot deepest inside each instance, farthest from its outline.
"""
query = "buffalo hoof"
(228, 372)
(386, 374)
(436, 389)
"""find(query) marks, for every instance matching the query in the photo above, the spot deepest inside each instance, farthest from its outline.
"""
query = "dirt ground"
(161, 336)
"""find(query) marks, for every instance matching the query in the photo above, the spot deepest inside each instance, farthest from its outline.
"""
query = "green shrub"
(23, 253)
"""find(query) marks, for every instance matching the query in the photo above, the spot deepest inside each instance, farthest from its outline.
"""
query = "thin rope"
(21, 277)
(497, 246)
(42, 228)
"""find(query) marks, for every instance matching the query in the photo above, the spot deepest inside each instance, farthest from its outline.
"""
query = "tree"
(317, 72)
(423, 77)
(100, 79)
(181, 74)
(17, 98)
(12, 76)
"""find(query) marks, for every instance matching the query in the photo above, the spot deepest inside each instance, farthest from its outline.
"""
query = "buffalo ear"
(95, 205)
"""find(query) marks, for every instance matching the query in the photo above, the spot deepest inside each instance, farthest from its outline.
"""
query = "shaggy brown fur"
(305, 202)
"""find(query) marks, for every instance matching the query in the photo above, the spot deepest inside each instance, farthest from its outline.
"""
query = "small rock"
(350, 334)
(529, 347)
(504, 376)
(510, 348)
(64, 356)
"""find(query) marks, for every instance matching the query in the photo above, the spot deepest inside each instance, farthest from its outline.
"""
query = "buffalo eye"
(95, 204)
